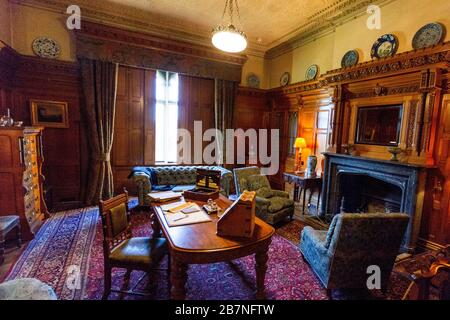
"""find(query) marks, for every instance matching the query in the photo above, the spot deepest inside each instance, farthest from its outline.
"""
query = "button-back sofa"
(175, 178)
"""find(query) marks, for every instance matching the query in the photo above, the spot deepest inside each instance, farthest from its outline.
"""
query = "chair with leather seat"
(120, 249)
(8, 224)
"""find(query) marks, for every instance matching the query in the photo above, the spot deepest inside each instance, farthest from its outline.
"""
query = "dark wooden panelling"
(133, 125)
(44, 79)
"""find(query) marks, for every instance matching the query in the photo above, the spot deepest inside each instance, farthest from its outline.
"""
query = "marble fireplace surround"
(409, 178)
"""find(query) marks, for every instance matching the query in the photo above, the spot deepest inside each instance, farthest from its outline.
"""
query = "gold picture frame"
(51, 114)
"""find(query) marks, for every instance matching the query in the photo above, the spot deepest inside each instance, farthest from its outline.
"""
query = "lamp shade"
(300, 143)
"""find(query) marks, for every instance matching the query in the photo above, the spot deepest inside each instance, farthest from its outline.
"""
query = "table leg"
(261, 258)
(295, 192)
(178, 278)
(318, 202)
(304, 200)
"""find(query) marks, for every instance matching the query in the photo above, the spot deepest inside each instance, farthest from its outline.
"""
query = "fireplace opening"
(361, 193)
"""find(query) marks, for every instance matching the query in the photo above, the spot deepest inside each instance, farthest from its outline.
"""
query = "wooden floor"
(12, 254)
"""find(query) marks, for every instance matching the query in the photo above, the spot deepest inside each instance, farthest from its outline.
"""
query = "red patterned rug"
(61, 247)
(67, 254)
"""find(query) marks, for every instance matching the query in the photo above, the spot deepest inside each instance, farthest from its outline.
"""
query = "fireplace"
(365, 185)
(362, 193)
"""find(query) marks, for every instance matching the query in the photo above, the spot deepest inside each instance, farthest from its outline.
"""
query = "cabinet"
(21, 178)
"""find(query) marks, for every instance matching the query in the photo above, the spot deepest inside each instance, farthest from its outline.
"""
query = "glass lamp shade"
(229, 39)
(300, 143)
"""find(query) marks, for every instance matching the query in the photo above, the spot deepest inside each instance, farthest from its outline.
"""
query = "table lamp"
(299, 144)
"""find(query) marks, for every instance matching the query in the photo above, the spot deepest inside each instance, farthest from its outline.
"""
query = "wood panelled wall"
(420, 81)
(134, 124)
(65, 150)
(134, 138)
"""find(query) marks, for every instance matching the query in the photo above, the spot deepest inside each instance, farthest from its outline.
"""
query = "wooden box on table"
(239, 219)
(207, 186)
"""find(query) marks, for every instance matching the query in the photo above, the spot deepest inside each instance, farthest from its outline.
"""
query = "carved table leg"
(178, 278)
(261, 258)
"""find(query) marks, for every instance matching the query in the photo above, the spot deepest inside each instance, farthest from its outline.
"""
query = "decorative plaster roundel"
(46, 48)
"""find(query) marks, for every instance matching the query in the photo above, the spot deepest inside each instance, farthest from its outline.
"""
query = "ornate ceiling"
(269, 24)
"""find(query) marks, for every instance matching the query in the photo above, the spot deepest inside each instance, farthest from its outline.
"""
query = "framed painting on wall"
(51, 114)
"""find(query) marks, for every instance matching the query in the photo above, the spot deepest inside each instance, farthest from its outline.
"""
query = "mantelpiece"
(351, 182)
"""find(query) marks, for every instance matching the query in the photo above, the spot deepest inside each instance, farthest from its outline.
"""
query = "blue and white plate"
(253, 81)
(312, 72)
(429, 35)
(350, 59)
(285, 79)
(385, 46)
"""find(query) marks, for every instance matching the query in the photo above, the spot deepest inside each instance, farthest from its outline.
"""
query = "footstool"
(8, 224)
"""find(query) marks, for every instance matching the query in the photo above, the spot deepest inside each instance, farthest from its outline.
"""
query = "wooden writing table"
(199, 244)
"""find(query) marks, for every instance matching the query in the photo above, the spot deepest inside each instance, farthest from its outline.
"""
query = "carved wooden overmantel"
(420, 81)
(101, 42)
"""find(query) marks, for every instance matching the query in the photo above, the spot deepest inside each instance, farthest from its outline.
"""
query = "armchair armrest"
(144, 186)
(263, 202)
(225, 180)
(280, 193)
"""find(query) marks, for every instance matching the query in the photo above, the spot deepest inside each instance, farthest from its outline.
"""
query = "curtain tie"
(103, 157)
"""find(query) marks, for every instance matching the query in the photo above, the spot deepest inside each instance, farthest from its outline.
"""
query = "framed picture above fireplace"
(379, 125)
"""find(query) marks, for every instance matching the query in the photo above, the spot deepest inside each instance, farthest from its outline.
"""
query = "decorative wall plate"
(253, 81)
(350, 59)
(312, 72)
(385, 46)
(46, 48)
(285, 79)
(429, 35)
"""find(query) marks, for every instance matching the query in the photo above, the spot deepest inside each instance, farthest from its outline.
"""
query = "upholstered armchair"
(271, 205)
(340, 256)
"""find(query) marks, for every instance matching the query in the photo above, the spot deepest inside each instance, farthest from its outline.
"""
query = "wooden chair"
(120, 249)
(422, 270)
(8, 224)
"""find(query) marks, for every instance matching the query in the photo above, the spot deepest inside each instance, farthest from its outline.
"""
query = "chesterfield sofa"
(175, 178)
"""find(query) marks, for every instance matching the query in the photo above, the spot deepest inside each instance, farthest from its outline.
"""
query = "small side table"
(304, 183)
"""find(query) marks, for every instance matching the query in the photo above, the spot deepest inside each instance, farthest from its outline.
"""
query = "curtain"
(100, 87)
(224, 100)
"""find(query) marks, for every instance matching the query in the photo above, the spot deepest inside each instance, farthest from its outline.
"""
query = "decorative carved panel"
(95, 41)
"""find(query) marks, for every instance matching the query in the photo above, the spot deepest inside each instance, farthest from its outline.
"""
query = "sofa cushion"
(279, 203)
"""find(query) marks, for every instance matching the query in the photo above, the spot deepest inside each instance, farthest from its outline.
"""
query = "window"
(166, 117)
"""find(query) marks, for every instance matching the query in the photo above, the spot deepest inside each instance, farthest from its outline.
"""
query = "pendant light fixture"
(226, 36)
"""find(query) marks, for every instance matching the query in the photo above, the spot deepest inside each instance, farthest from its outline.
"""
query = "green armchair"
(272, 205)
(340, 256)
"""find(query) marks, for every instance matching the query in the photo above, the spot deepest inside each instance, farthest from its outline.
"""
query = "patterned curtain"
(100, 88)
(224, 100)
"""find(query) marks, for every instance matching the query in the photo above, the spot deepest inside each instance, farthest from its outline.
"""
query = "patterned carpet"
(71, 241)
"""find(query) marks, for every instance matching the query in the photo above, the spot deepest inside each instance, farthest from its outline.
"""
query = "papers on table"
(183, 213)
(164, 196)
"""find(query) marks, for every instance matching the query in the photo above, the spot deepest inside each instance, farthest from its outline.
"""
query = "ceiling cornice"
(322, 24)
(132, 23)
